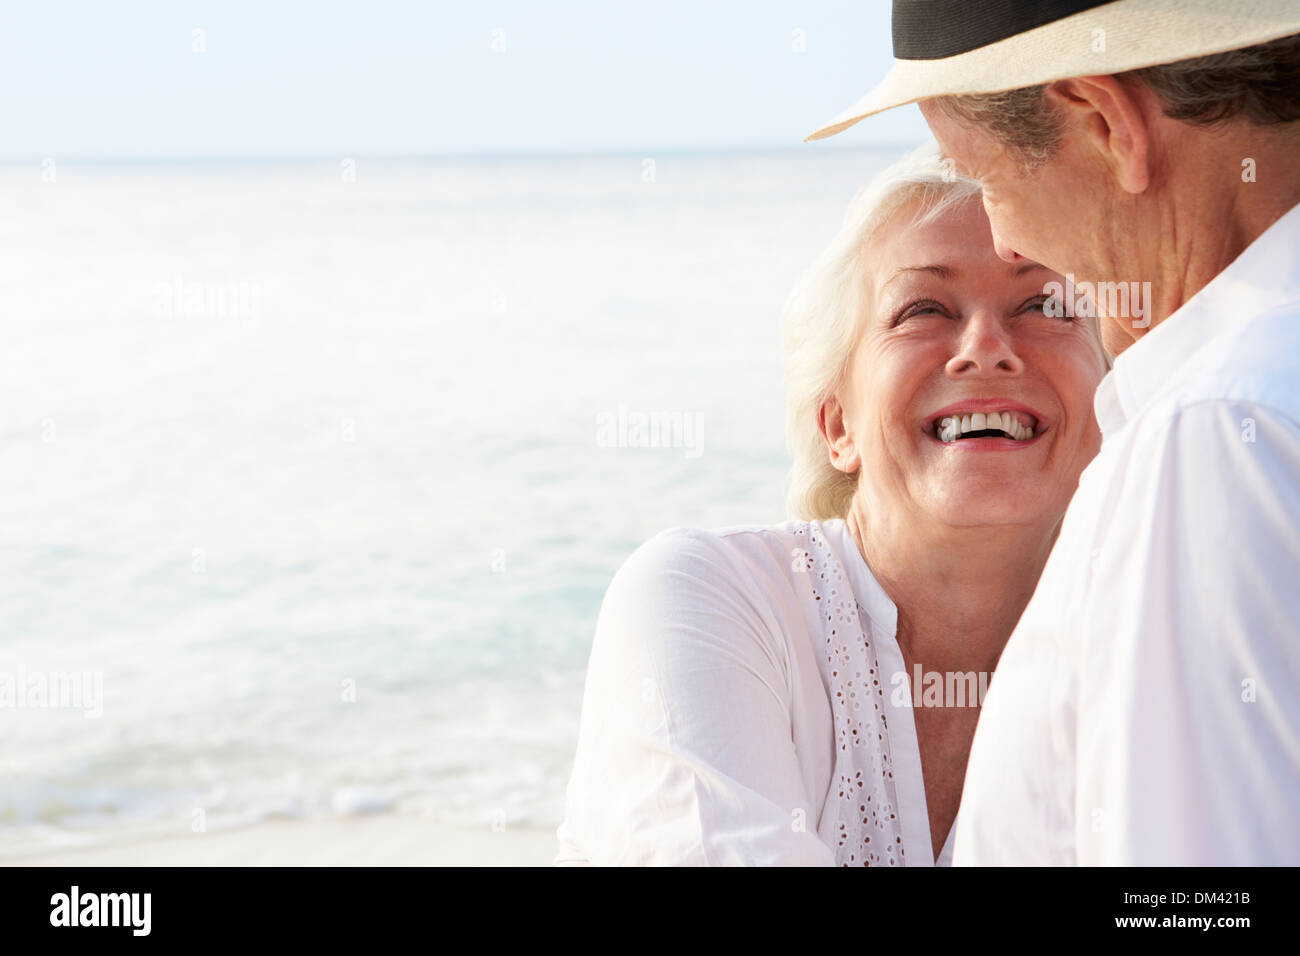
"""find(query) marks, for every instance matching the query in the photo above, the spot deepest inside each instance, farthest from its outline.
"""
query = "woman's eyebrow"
(1028, 267)
(942, 271)
(947, 272)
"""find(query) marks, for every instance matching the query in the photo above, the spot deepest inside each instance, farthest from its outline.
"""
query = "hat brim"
(1126, 35)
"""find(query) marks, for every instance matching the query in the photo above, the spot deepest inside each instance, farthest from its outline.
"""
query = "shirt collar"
(880, 607)
(1266, 275)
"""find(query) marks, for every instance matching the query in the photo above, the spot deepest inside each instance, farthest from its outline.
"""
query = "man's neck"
(1203, 215)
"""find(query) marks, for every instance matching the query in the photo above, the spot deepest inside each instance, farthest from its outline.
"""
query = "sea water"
(314, 473)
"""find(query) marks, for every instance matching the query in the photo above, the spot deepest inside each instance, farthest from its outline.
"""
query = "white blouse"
(741, 707)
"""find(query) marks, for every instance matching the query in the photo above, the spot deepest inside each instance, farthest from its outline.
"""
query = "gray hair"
(1258, 84)
(823, 318)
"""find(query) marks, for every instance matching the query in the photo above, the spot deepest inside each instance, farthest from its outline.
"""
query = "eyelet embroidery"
(868, 831)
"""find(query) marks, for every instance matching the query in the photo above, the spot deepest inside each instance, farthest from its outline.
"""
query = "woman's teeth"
(953, 427)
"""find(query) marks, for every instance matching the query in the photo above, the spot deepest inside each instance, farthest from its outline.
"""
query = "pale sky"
(133, 79)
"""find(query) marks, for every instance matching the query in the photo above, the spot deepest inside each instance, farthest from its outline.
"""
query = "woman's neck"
(959, 591)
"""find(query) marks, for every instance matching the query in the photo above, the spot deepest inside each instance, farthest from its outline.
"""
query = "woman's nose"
(986, 345)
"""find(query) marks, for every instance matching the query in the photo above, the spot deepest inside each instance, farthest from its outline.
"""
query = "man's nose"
(1003, 250)
(1000, 246)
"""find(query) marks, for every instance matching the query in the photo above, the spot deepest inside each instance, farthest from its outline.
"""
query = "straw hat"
(943, 47)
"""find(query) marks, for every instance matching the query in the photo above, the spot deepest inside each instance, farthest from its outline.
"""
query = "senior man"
(1146, 709)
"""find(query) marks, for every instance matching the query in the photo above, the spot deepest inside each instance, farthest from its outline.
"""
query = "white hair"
(823, 318)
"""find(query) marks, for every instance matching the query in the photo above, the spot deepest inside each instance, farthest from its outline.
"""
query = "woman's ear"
(1115, 117)
(843, 452)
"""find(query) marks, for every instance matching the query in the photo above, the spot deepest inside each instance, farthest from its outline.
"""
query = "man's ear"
(1115, 116)
(843, 452)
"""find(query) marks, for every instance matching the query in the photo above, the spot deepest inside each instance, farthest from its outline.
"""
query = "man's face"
(1061, 214)
(1040, 215)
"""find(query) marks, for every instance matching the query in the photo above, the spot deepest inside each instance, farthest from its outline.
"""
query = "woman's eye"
(1040, 303)
(919, 308)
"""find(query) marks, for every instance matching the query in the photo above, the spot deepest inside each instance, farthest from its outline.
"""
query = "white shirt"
(735, 710)
(1146, 710)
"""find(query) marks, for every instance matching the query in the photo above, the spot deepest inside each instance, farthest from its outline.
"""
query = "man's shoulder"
(1230, 417)
(1254, 362)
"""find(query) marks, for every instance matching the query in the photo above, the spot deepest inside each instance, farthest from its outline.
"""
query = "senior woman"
(806, 693)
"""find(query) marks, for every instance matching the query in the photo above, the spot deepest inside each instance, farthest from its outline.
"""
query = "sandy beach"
(363, 841)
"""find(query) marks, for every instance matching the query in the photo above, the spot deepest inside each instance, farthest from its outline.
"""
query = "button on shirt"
(1146, 710)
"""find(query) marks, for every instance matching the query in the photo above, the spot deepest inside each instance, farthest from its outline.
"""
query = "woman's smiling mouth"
(995, 423)
(1004, 424)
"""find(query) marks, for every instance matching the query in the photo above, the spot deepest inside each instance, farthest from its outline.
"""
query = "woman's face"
(953, 335)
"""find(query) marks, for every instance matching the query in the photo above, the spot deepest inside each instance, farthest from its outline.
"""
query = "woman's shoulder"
(742, 552)
(763, 566)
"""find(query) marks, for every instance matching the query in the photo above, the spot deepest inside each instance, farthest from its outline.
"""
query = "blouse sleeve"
(685, 752)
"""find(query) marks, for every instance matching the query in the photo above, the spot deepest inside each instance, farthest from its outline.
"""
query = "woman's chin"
(971, 508)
